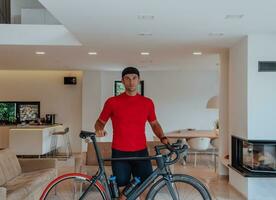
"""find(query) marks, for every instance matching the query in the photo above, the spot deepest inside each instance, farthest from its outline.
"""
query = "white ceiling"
(111, 28)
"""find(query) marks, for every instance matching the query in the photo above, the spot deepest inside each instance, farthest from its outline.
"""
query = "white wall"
(180, 97)
(252, 94)
(224, 139)
(252, 100)
(48, 88)
(261, 88)
(238, 89)
(91, 101)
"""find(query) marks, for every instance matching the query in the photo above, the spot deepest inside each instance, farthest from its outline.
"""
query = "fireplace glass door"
(259, 157)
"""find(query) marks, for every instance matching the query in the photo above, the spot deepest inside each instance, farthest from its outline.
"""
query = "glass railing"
(25, 12)
(5, 11)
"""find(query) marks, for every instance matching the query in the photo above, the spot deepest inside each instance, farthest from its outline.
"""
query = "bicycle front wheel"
(71, 187)
(182, 187)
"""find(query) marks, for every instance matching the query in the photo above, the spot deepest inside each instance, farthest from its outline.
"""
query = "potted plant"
(215, 142)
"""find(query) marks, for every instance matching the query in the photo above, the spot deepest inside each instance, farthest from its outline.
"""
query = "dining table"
(186, 134)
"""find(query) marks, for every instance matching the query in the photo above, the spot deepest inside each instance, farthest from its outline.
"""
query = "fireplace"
(254, 158)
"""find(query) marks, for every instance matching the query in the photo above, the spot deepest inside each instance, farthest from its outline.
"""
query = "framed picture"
(120, 88)
(12, 112)
(28, 111)
(7, 112)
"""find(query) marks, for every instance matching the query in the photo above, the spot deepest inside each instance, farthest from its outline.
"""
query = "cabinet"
(33, 140)
(4, 137)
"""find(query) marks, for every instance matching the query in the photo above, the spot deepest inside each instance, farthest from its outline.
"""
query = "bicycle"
(162, 182)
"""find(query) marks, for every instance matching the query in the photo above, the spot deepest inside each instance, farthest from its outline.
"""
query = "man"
(129, 113)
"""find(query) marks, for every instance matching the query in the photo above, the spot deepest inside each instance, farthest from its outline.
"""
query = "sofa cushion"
(26, 183)
(18, 192)
(9, 164)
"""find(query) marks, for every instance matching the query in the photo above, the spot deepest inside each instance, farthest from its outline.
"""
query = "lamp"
(213, 102)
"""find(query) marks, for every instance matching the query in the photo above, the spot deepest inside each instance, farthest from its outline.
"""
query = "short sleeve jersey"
(129, 115)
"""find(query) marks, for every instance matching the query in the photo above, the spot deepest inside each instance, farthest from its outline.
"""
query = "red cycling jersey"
(129, 115)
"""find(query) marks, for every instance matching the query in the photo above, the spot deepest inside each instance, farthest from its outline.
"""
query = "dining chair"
(198, 145)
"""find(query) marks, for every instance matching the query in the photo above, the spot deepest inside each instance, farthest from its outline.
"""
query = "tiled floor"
(217, 185)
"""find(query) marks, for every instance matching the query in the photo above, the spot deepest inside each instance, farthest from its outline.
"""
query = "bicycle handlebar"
(175, 148)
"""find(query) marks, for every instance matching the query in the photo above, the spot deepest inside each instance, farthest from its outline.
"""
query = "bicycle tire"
(197, 190)
(61, 188)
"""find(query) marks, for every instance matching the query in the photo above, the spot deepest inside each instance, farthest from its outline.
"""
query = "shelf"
(247, 173)
(224, 161)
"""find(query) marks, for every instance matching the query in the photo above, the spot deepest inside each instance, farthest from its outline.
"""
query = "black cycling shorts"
(124, 169)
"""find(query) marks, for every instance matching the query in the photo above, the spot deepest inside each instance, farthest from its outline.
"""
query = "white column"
(223, 110)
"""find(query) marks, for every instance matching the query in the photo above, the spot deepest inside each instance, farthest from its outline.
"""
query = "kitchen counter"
(34, 126)
(4, 137)
(33, 140)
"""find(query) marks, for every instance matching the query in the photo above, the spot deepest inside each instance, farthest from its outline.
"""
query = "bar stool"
(66, 143)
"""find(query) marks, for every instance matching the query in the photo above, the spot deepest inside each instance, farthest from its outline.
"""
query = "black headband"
(130, 70)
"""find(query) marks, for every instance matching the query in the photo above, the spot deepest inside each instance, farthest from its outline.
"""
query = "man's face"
(131, 82)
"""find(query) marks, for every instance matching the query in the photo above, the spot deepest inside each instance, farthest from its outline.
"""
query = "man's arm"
(158, 131)
(99, 128)
(103, 118)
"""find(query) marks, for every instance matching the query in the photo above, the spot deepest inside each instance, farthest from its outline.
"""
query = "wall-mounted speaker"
(267, 66)
(70, 80)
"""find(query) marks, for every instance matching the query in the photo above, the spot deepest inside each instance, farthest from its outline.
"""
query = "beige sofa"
(24, 179)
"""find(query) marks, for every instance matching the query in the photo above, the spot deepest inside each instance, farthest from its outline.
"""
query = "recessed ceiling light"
(92, 53)
(197, 53)
(216, 34)
(233, 16)
(145, 34)
(145, 53)
(145, 17)
(39, 52)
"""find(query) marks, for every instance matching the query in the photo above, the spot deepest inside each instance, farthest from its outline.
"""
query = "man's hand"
(100, 133)
(164, 140)
(99, 128)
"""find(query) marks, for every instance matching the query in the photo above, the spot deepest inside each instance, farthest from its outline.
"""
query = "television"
(27, 111)
(8, 113)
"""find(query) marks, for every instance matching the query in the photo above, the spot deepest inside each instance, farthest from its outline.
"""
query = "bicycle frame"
(100, 175)
(162, 170)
